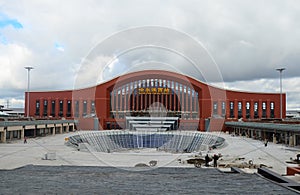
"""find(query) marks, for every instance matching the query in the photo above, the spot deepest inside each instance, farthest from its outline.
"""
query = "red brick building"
(155, 93)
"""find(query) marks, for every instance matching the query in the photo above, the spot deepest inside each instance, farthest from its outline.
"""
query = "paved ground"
(17, 154)
(35, 179)
(273, 156)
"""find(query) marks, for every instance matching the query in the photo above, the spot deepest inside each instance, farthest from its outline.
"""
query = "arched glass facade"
(154, 97)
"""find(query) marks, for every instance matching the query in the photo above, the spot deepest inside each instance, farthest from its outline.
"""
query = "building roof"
(266, 126)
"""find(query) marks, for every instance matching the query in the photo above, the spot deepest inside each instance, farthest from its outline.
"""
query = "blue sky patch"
(6, 21)
(3, 39)
(59, 47)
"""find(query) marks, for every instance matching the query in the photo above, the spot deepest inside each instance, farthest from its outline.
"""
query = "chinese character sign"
(159, 90)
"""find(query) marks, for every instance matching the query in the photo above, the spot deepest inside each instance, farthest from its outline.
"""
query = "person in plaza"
(215, 158)
(25, 140)
(266, 142)
(206, 160)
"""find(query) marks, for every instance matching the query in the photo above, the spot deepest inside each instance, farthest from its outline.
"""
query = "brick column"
(259, 107)
(235, 108)
(251, 109)
(268, 109)
(244, 108)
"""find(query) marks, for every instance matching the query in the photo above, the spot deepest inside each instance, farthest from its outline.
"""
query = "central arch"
(155, 93)
(154, 96)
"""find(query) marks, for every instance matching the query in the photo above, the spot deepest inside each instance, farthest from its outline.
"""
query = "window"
(125, 95)
(264, 110)
(123, 100)
(184, 98)
(247, 109)
(69, 107)
(189, 100)
(84, 113)
(118, 99)
(93, 107)
(231, 109)
(240, 110)
(53, 108)
(76, 108)
(61, 108)
(45, 108)
(255, 109)
(272, 108)
(215, 108)
(223, 108)
(115, 100)
(37, 107)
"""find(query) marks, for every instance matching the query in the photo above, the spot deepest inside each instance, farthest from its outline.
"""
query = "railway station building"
(156, 99)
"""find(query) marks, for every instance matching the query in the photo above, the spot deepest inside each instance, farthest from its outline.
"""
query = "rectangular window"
(69, 108)
(53, 108)
(189, 100)
(264, 110)
(84, 113)
(115, 98)
(76, 108)
(126, 97)
(247, 109)
(45, 108)
(184, 98)
(240, 110)
(215, 108)
(92, 107)
(123, 101)
(231, 109)
(61, 108)
(119, 99)
(272, 108)
(223, 108)
(37, 107)
(255, 109)
(172, 102)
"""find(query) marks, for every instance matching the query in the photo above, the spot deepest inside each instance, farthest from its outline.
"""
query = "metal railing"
(170, 141)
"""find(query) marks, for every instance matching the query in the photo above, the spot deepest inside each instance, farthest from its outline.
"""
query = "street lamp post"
(28, 68)
(280, 77)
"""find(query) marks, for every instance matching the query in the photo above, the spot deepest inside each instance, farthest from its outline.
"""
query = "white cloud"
(13, 59)
(93, 71)
(246, 43)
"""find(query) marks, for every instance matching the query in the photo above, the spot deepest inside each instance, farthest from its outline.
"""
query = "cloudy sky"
(247, 40)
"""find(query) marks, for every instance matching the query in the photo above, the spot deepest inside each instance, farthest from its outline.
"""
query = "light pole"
(280, 77)
(28, 68)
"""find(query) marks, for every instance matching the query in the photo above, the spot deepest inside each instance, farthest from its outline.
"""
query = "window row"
(237, 111)
(63, 108)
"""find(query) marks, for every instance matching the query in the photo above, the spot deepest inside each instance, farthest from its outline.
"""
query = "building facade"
(154, 93)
